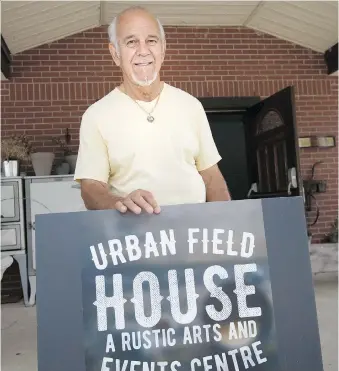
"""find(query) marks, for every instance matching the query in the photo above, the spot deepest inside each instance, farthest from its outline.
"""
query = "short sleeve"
(208, 154)
(93, 160)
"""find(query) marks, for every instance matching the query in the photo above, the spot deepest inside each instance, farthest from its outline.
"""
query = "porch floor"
(18, 330)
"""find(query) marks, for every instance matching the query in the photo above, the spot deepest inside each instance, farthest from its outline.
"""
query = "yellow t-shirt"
(120, 147)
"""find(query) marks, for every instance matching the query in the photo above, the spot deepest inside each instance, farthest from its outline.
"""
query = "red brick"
(53, 85)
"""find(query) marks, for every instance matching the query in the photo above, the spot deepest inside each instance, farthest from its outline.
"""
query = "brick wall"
(53, 84)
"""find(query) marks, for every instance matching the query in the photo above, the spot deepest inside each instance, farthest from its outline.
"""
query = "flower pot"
(72, 160)
(63, 168)
(42, 162)
(10, 168)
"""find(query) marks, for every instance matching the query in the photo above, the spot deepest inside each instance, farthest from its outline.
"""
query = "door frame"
(228, 104)
(239, 105)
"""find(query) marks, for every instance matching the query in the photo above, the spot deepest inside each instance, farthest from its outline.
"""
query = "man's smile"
(143, 64)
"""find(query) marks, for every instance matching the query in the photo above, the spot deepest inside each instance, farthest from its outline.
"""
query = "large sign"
(223, 286)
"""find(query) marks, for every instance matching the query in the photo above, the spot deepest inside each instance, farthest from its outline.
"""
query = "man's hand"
(97, 196)
(137, 201)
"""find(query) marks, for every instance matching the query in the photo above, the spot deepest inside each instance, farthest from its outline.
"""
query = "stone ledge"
(324, 258)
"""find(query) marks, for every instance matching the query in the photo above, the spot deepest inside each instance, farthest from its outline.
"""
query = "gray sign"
(216, 286)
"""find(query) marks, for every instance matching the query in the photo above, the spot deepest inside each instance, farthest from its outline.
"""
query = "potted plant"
(14, 150)
(309, 235)
(332, 236)
(63, 167)
(69, 159)
(42, 162)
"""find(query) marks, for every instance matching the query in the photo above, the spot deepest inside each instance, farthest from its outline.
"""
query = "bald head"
(126, 17)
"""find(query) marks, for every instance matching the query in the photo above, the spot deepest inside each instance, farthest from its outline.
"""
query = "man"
(146, 143)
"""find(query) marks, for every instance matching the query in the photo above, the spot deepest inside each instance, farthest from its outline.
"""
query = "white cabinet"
(10, 237)
(13, 239)
(47, 194)
(10, 202)
(12, 214)
(36, 195)
(53, 194)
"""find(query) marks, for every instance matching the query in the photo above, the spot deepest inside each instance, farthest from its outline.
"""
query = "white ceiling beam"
(102, 11)
(253, 13)
(28, 24)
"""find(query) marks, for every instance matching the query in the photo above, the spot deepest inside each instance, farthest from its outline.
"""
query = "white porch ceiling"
(312, 24)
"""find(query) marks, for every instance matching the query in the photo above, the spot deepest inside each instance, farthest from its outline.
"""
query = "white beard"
(146, 81)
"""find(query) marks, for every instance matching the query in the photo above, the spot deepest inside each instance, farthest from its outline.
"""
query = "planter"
(10, 168)
(324, 258)
(309, 239)
(63, 169)
(42, 162)
(72, 160)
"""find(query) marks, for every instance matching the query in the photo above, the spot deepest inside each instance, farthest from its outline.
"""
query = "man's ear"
(114, 54)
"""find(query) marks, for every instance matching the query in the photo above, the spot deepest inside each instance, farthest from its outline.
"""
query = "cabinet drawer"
(10, 210)
(10, 237)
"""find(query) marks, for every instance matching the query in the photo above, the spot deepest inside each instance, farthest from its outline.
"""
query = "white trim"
(3, 77)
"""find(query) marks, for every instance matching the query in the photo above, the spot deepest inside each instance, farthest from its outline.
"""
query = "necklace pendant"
(150, 118)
